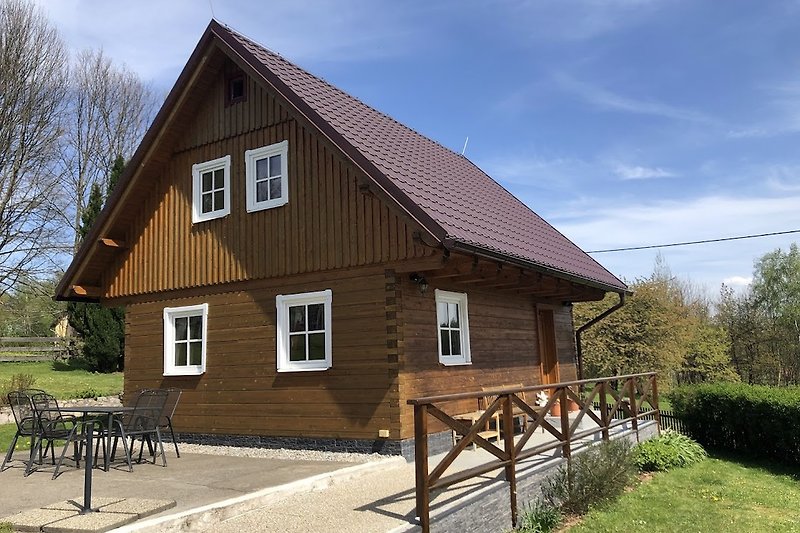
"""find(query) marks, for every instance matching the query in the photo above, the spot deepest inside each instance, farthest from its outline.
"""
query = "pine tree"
(101, 328)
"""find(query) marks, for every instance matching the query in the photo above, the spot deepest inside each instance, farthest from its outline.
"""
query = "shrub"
(594, 476)
(670, 450)
(540, 517)
(749, 419)
(17, 382)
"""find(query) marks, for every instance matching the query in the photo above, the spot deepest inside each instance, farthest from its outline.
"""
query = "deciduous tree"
(33, 83)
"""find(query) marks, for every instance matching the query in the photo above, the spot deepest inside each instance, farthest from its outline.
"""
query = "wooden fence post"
(604, 409)
(421, 460)
(508, 441)
(565, 422)
(633, 406)
(654, 392)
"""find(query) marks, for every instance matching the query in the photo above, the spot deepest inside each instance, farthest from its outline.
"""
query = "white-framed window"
(211, 189)
(453, 327)
(304, 331)
(267, 174)
(185, 332)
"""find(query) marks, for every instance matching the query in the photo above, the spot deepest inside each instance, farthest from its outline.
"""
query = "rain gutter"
(591, 323)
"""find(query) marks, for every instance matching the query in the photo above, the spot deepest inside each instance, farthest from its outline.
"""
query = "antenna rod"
(465, 146)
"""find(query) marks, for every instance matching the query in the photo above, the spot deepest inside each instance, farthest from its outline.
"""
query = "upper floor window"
(304, 331)
(185, 340)
(267, 176)
(235, 89)
(211, 189)
(453, 326)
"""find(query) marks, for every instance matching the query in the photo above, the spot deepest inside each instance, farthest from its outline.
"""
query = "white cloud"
(607, 100)
(641, 173)
(587, 19)
(154, 38)
(738, 281)
(780, 112)
(556, 173)
(601, 225)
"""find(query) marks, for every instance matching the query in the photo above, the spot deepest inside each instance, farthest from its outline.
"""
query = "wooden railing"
(624, 395)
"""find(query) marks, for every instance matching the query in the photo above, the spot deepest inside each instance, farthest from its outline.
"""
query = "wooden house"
(301, 264)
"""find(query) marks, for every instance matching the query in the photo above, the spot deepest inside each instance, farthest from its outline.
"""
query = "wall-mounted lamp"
(420, 281)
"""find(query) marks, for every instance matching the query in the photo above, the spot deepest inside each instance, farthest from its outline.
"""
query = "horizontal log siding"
(503, 341)
(241, 392)
(327, 224)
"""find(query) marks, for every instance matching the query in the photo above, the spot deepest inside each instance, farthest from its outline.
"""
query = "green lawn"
(6, 435)
(716, 495)
(63, 380)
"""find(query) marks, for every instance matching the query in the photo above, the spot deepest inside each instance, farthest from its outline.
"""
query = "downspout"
(589, 324)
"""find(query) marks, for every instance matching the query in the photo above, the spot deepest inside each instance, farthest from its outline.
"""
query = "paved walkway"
(378, 502)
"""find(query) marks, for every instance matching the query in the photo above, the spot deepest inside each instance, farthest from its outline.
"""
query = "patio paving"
(233, 494)
(191, 481)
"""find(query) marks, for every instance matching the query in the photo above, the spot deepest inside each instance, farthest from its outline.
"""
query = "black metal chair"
(52, 424)
(25, 418)
(142, 423)
(173, 395)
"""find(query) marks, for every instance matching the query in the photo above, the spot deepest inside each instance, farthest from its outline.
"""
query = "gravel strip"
(282, 453)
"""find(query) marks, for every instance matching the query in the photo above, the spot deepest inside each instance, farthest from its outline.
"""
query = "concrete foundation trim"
(437, 443)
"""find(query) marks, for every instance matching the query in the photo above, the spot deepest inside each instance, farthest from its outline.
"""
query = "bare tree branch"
(109, 109)
(33, 81)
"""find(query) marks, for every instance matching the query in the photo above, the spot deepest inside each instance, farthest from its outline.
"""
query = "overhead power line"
(706, 241)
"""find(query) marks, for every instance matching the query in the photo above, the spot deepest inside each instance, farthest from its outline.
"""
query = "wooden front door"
(547, 346)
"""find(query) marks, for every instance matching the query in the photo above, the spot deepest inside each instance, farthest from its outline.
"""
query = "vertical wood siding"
(241, 392)
(327, 224)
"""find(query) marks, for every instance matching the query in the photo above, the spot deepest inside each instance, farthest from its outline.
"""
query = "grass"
(716, 495)
(64, 380)
(5, 527)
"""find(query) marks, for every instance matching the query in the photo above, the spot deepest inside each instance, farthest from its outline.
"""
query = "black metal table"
(85, 410)
(110, 411)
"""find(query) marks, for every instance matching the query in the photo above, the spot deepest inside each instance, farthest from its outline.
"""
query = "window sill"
(186, 372)
(206, 218)
(304, 369)
(455, 363)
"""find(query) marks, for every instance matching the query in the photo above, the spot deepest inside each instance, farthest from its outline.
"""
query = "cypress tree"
(101, 328)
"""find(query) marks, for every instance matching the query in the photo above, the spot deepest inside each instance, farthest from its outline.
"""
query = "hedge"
(748, 419)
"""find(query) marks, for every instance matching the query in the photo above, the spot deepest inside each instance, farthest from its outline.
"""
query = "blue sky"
(622, 123)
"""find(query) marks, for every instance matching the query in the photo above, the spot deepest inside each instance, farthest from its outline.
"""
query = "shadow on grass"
(75, 363)
(765, 464)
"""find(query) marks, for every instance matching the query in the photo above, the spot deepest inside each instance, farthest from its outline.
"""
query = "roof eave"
(63, 288)
(455, 244)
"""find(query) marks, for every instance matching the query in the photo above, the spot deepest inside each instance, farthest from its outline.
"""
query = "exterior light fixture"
(420, 281)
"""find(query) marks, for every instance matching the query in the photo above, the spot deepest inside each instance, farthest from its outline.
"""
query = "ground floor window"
(185, 340)
(453, 325)
(304, 331)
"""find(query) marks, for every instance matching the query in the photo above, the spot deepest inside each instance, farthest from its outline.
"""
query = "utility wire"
(706, 241)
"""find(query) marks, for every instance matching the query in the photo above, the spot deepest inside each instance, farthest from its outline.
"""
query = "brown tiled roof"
(472, 210)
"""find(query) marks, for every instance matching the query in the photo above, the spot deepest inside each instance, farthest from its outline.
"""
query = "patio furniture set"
(39, 417)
